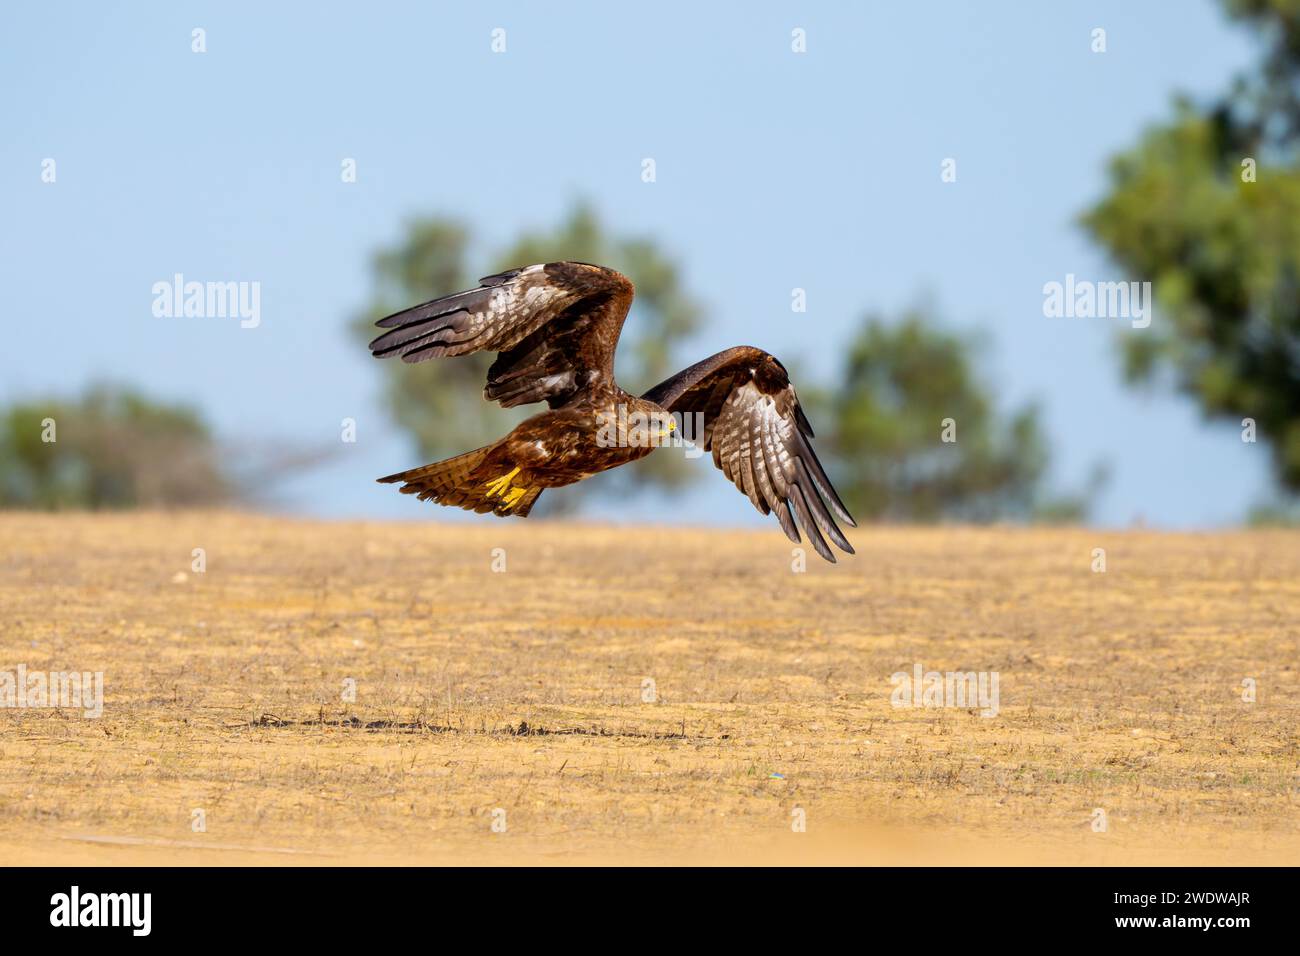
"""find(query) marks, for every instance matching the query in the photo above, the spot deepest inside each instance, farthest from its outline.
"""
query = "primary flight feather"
(555, 327)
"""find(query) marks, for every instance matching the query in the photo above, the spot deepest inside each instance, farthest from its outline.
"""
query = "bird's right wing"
(760, 439)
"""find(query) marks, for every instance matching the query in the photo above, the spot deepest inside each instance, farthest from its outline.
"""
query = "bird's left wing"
(555, 324)
(760, 439)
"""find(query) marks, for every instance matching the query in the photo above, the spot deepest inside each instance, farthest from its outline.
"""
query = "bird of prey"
(554, 327)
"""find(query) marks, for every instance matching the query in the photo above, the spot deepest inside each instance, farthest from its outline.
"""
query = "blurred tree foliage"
(1207, 207)
(888, 418)
(440, 403)
(112, 448)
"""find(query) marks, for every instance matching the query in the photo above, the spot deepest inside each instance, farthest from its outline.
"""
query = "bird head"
(658, 426)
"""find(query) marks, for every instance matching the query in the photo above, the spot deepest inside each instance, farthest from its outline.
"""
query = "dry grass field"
(478, 691)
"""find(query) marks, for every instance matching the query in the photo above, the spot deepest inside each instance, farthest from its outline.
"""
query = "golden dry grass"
(523, 691)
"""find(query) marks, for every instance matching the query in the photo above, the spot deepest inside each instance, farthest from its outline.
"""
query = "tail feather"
(452, 482)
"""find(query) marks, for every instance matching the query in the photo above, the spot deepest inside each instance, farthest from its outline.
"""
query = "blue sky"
(775, 171)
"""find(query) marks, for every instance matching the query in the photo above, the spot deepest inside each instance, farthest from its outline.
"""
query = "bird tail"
(458, 482)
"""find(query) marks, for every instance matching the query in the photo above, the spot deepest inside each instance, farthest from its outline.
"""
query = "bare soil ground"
(518, 697)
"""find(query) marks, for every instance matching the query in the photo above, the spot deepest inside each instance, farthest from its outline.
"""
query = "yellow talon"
(497, 486)
(513, 497)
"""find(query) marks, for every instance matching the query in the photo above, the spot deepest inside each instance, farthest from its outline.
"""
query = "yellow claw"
(512, 498)
(497, 486)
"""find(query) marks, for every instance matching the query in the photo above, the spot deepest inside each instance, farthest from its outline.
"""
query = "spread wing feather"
(760, 439)
(555, 325)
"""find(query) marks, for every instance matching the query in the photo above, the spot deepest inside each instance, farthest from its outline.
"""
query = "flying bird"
(554, 327)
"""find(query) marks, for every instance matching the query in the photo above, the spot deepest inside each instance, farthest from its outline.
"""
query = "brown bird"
(555, 327)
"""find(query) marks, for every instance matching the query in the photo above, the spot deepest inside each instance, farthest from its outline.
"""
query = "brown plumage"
(555, 327)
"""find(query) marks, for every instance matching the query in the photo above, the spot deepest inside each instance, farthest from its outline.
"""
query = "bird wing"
(555, 325)
(760, 439)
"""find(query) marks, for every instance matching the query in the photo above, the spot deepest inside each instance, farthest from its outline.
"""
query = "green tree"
(1206, 206)
(908, 386)
(111, 448)
(440, 403)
